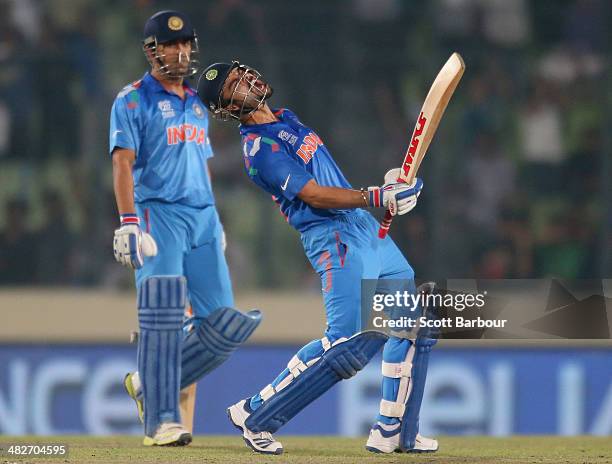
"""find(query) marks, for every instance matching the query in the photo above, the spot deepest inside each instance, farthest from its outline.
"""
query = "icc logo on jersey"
(166, 109)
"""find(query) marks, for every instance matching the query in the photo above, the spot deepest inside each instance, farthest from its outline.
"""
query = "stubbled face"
(175, 57)
(244, 91)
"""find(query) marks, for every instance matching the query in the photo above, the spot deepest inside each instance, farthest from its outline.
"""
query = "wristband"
(129, 218)
(376, 196)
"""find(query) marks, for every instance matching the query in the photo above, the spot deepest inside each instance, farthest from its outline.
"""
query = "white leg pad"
(296, 367)
(392, 408)
(402, 371)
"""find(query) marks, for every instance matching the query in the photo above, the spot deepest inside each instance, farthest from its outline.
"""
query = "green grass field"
(231, 449)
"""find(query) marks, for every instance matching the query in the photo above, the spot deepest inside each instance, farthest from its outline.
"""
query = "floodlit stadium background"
(517, 185)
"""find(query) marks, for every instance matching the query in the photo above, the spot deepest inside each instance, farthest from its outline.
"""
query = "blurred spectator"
(490, 178)
(18, 245)
(56, 241)
(495, 262)
(501, 22)
(541, 135)
(60, 133)
(586, 26)
(5, 129)
(505, 22)
(582, 173)
(14, 56)
(563, 249)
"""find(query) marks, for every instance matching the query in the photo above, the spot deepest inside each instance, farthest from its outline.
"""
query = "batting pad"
(217, 337)
(161, 305)
(410, 419)
(341, 361)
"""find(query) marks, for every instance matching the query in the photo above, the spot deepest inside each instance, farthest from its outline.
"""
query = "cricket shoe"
(169, 434)
(131, 383)
(261, 442)
(385, 439)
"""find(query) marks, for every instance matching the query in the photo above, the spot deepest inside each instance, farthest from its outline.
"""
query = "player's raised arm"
(398, 198)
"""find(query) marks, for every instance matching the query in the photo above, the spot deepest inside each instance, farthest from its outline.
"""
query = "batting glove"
(398, 197)
(131, 243)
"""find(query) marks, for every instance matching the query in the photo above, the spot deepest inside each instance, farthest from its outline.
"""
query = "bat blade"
(433, 108)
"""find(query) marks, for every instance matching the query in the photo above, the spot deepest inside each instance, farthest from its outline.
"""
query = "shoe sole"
(183, 440)
(417, 451)
(371, 449)
(246, 440)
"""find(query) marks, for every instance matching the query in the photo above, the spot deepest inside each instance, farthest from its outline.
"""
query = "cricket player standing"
(170, 232)
(290, 161)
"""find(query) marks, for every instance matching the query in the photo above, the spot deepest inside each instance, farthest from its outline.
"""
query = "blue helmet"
(210, 91)
(164, 27)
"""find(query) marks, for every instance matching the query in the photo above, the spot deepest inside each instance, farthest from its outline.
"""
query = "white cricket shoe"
(385, 439)
(261, 442)
(424, 445)
(169, 434)
(132, 385)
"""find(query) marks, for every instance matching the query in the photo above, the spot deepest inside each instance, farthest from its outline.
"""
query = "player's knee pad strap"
(307, 381)
(209, 345)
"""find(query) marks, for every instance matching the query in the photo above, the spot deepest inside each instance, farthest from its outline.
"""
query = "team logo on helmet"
(211, 75)
(175, 23)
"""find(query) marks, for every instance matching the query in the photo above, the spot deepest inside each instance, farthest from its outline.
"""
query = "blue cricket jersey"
(170, 138)
(281, 157)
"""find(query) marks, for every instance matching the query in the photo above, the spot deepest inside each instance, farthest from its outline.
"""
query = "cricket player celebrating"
(290, 161)
(170, 232)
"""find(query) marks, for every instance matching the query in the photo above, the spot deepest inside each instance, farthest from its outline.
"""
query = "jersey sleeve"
(123, 126)
(272, 168)
(208, 151)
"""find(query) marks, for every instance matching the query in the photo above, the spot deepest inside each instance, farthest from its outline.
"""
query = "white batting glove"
(131, 244)
(398, 197)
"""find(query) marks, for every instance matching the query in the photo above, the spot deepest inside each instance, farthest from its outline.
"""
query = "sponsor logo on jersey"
(287, 137)
(166, 109)
(186, 133)
(309, 146)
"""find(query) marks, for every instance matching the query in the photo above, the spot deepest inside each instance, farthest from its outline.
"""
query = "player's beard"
(178, 68)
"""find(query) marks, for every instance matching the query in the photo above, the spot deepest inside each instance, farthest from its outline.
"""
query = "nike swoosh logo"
(284, 186)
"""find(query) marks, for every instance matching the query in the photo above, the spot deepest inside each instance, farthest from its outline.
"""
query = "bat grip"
(384, 225)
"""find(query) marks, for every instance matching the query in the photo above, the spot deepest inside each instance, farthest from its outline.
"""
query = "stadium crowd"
(516, 184)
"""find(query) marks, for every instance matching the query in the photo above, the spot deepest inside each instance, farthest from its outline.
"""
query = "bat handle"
(384, 225)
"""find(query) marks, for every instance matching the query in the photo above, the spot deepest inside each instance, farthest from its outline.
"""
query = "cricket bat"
(187, 406)
(427, 123)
